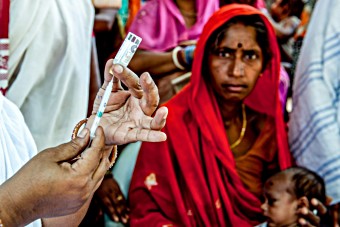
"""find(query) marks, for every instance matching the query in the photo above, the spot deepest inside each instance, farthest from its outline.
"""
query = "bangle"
(113, 155)
(175, 58)
(114, 151)
(76, 129)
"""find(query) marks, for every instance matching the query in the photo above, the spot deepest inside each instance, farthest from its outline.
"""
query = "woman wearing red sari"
(225, 131)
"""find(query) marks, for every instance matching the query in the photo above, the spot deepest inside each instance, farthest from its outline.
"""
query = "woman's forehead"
(238, 36)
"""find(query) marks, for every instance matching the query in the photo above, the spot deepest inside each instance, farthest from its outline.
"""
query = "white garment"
(314, 127)
(50, 43)
(16, 142)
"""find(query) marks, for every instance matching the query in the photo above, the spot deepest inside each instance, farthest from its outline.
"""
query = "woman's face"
(236, 63)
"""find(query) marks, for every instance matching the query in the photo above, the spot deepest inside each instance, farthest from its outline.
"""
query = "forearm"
(157, 64)
(12, 213)
(68, 220)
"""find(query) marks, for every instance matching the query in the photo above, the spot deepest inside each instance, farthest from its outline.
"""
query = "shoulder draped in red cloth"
(191, 179)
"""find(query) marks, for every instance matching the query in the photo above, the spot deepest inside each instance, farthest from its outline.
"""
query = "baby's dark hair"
(295, 7)
(248, 20)
(307, 183)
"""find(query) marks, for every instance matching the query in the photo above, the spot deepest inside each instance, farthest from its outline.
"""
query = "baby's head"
(281, 9)
(286, 191)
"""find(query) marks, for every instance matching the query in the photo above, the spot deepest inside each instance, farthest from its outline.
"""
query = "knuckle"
(75, 145)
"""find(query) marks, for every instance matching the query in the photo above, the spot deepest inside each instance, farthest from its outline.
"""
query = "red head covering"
(194, 181)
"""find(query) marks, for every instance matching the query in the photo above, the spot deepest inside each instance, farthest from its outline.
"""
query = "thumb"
(70, 150)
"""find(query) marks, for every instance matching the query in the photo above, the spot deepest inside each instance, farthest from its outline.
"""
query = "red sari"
(191, 179)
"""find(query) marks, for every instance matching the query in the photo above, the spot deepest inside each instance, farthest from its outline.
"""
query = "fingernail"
(115, 218)
(165, 115)
(314, 202)
(304, 210)
(118, 68)
(148, 79)
(302, 221)
(83, 133)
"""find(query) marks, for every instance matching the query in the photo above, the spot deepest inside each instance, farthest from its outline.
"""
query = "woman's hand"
(310, 213)
(127, 116)
(113, 201)
(49, 185)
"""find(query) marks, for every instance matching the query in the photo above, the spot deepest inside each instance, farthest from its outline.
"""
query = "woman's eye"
(224, 54)
(250, 55)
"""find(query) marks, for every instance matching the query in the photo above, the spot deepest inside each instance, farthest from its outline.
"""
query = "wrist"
(189, 54)
(181, 58)
(10, 213)
(176, 56)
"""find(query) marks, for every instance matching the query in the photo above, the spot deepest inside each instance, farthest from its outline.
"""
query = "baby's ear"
(303, 202)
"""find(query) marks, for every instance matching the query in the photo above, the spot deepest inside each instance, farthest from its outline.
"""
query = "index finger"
(307, 217)
(320, 207)
(108, 74)
(129, 78)
(150, 100)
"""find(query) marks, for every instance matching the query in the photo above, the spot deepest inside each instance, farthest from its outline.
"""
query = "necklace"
(243, 130)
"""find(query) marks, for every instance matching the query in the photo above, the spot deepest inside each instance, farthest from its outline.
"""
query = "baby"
(284, 15)
(287, 191)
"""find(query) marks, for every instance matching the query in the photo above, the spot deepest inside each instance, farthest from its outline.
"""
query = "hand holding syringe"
(123, 57)
(126, 115)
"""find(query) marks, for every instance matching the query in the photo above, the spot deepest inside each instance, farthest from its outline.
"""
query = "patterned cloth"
(314, 127)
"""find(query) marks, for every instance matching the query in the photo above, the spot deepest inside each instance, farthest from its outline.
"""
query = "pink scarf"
(162, 27)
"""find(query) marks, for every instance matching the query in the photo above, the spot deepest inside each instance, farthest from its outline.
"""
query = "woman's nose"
(237, 68)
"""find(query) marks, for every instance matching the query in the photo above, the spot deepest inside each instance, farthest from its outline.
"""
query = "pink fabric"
(162, 27)
(4, 44)
(283, 87)
(260, 4)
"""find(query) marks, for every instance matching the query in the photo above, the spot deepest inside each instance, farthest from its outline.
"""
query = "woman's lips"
(234, 87)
